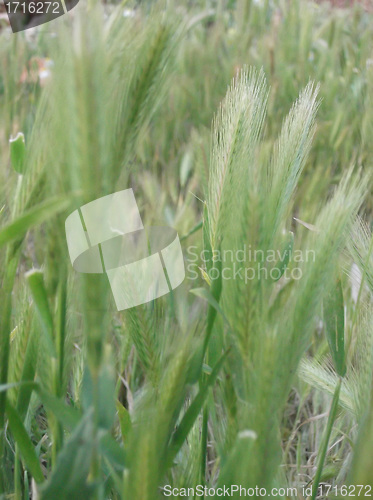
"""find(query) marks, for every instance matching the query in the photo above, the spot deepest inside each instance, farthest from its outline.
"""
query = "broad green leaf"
(34, 216)
(39, 294)
(69, 477)
(17, 152)
(335, 327)
(25, 445)
(112, 451)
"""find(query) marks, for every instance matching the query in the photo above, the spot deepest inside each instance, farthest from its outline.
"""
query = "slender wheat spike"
(236, 130)
(361, 248)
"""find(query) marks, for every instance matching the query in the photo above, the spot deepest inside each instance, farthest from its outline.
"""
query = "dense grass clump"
(246, 126)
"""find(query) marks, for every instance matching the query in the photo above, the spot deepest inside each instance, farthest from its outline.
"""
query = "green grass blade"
(325, 440)
(194, 229)
(124, 421)
(191, 414)
(39, 293)
(17, 152)
(335, 327)
(25, 445)
(5, 329)
(206, 237)
(34, 216)
(28, 373)
(206, 295)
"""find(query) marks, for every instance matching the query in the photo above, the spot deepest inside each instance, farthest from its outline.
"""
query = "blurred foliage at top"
(294, 41)
(223, 381)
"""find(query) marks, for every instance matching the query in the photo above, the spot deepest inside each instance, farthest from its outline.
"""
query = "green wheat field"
(247, 126)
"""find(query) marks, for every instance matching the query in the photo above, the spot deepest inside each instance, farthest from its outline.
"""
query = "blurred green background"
(100, 404)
